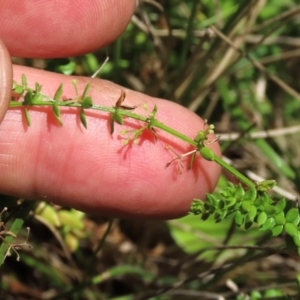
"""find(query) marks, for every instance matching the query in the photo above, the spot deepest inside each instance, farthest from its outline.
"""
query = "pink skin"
(89, 169)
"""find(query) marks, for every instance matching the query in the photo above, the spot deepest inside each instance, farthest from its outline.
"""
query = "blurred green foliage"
(171, 50)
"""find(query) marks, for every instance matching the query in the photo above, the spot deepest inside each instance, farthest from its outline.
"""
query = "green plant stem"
(126, 113)
(150, 120)
(234, 172)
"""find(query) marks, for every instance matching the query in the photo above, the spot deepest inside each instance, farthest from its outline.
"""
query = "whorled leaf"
(87, 102)
(83, 118)
(27, 116)
(56, 112)
(58, 93)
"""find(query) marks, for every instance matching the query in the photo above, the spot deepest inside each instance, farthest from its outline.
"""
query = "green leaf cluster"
(253, 206)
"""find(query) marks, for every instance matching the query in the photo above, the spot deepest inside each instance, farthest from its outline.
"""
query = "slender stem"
(234, 172)
(76, 103)
(126, 113)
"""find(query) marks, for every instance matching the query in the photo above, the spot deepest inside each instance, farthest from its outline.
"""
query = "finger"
(91, 170)
(5, 80)
(61, 28)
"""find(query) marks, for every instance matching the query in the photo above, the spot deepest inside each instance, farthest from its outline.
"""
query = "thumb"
(5, 80)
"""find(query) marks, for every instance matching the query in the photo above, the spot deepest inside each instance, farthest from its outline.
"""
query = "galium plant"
(248, 203)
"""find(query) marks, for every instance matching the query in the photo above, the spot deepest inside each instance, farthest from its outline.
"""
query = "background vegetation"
(233, 62)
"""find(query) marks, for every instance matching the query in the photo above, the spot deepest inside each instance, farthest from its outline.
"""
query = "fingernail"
(6, 80)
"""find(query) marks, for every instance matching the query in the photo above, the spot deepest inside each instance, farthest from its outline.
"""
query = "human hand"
(89, 170)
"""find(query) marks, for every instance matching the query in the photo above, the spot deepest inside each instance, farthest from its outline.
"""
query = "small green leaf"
(269, 224)
(252, 213)
(87, 87)
(119, 117)
(38, 87)
(266, 185)
(19, 89)
(270, 210)
(197, 207)
(264, 200)
(221, 204)
(36, 96)
(27, 116)
(58, 93)
(208, 206)
(71, 241)
(48, 213)
(240, 192)
(83, 118)
(246, 205)
(28, 98)
(24, 80)
(153, 113)
(276, 230)
(291, 229)
(250, 195)
(205, 216)
(56, 112)
(280, 205)
(297, 220)
(262, 218)
(74, 82)
(296, 239)
(87, 102)
(230, 201)
(239, 218)
(220, 215)
(280, 218)
(255, 295)
(292, 216)
(67, 218)
(212, 200)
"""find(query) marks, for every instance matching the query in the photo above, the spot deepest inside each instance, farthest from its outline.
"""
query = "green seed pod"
(207, 153)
